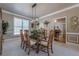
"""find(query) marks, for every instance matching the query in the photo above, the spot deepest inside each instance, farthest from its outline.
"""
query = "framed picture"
(74, 22)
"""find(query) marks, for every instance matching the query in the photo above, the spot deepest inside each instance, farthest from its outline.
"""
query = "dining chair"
(45, 34)
(29, 42)
(22, 38)
(25, 38)
(47, 44)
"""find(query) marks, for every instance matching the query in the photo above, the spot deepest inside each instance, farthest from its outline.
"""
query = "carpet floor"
(11, 47)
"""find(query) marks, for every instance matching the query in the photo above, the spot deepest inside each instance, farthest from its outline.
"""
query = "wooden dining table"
(38, 41)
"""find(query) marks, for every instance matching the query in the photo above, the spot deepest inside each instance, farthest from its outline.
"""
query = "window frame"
(20, 26)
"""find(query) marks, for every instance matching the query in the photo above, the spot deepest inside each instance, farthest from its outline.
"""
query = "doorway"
(60, 29)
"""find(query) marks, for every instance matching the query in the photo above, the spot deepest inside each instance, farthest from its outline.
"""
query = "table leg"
(37, 51)
(38, 45)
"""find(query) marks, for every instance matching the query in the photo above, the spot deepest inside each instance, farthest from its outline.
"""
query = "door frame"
(65, 25)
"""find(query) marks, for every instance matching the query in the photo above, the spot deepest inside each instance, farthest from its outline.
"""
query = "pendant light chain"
(34, 11)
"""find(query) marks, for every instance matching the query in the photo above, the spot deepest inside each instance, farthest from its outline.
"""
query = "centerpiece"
(36, 34)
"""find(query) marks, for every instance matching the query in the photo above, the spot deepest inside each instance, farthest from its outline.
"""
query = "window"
(25, 24)
(20, 24)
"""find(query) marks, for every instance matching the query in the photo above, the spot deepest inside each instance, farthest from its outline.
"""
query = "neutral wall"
(68, 14)
(10, 19)
(0, 31)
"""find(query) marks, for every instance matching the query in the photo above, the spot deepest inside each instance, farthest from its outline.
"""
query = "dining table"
(36, 46)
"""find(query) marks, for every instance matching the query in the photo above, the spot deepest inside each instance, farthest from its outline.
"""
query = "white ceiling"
(42, 9)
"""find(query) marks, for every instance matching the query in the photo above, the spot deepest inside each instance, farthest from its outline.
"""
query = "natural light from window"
(20, 24)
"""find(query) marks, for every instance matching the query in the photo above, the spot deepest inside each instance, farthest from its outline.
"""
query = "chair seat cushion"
(44, 43)
(32, 42)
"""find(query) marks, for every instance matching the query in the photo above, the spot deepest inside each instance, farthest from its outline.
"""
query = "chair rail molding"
(72, 33)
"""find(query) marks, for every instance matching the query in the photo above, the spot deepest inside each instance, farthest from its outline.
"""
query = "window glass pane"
(17, 22)
(26, 24)
(17, 30)
(20, 24)
(17, 25)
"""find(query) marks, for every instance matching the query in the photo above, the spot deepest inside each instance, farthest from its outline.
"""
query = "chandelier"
(34, 11)
(34, 20)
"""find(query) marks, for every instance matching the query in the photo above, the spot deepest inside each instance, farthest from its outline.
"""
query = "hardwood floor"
(11, 47)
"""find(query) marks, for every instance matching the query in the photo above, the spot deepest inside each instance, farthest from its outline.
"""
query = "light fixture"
(34, 11)
(55, 21)
(34, 17)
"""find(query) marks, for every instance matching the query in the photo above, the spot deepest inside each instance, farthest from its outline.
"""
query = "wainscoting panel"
(73, 38)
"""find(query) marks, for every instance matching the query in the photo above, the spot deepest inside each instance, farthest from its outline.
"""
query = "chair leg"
(21, 44)
(51, 49)
(25, 47)
(29, 51)
(48, 51)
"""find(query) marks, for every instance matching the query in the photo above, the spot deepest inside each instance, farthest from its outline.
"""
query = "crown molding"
(62, 10)
(15, 14)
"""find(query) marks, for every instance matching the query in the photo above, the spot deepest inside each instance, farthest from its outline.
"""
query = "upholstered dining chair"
(25, 32)
(45, 34)
(22, 38)
(47, 44)
(29, 42)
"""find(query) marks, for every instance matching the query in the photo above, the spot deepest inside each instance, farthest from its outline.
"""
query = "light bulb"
(55, 21)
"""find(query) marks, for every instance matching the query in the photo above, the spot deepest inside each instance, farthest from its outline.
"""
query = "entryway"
(60, 29)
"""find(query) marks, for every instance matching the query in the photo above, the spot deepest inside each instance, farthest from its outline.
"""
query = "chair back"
(51, 38)
(26, 35)
(45, 34)
(21, 35)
